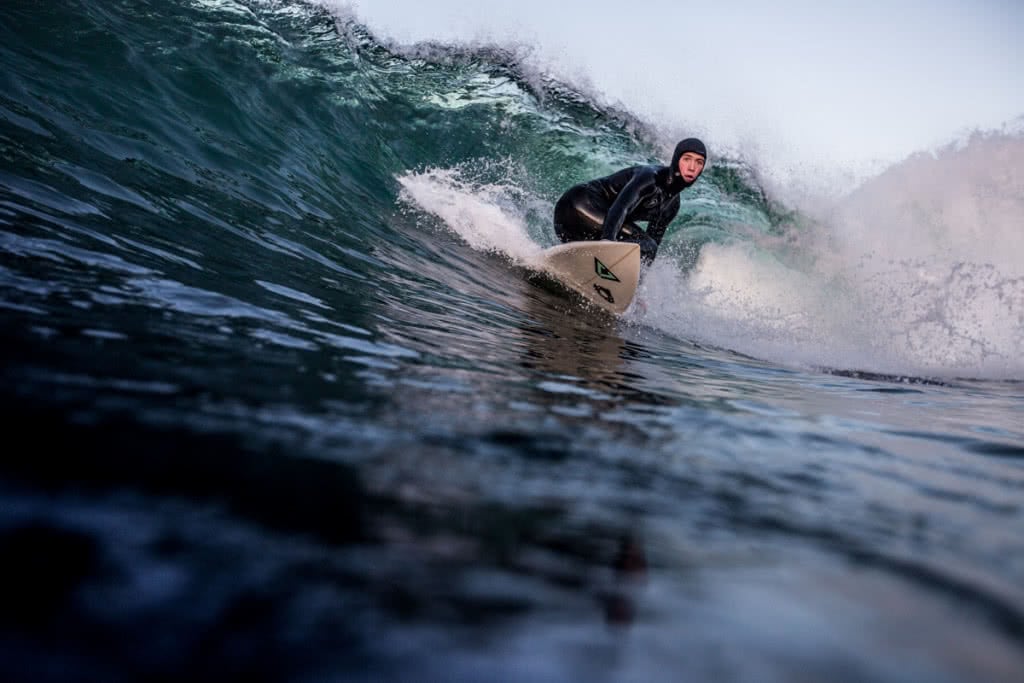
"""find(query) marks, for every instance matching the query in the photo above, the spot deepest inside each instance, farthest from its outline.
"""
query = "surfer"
(608, 208)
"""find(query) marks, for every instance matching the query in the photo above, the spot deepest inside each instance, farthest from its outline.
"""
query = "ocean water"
(283, 403)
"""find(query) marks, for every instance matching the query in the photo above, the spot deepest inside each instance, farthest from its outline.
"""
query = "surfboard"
(605, 273)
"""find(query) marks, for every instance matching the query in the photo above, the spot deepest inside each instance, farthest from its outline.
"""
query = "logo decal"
(604, 293)
(603, 271)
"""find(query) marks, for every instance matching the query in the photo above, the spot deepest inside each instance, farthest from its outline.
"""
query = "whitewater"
(283, 401)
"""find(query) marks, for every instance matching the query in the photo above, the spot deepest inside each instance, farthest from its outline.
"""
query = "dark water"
(276, 410)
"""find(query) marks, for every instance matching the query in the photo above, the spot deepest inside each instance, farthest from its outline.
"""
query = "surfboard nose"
(605, 273)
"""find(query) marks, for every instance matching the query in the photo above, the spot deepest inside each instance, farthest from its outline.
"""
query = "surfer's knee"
(575, 219)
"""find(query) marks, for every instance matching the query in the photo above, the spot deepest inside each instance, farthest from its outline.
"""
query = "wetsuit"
(608, 208)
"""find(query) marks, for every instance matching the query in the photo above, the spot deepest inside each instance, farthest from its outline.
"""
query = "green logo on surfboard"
(603, 271)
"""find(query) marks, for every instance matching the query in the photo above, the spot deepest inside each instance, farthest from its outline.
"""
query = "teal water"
(282, 403)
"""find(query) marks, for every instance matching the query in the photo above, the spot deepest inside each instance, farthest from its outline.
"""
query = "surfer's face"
(691, 165)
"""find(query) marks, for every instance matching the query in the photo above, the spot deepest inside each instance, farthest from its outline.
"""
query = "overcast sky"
(799, 81)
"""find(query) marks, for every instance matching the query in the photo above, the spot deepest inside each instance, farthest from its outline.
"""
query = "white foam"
(920, 271)
(488, 216)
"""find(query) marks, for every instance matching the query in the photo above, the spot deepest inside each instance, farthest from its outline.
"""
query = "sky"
(851, 86)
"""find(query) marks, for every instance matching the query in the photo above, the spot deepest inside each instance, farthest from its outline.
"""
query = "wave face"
(284, 403)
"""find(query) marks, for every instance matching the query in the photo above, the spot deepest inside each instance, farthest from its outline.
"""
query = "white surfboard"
(604, 272)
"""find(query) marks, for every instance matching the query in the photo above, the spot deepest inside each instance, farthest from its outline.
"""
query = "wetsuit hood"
(676, 182)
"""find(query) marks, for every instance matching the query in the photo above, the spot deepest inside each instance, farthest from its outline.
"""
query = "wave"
(206, 144)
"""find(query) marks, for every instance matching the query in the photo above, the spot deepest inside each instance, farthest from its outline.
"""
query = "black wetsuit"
(608, 208)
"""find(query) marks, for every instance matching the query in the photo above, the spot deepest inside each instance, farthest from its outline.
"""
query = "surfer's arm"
(625, 203)
(656, 229)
